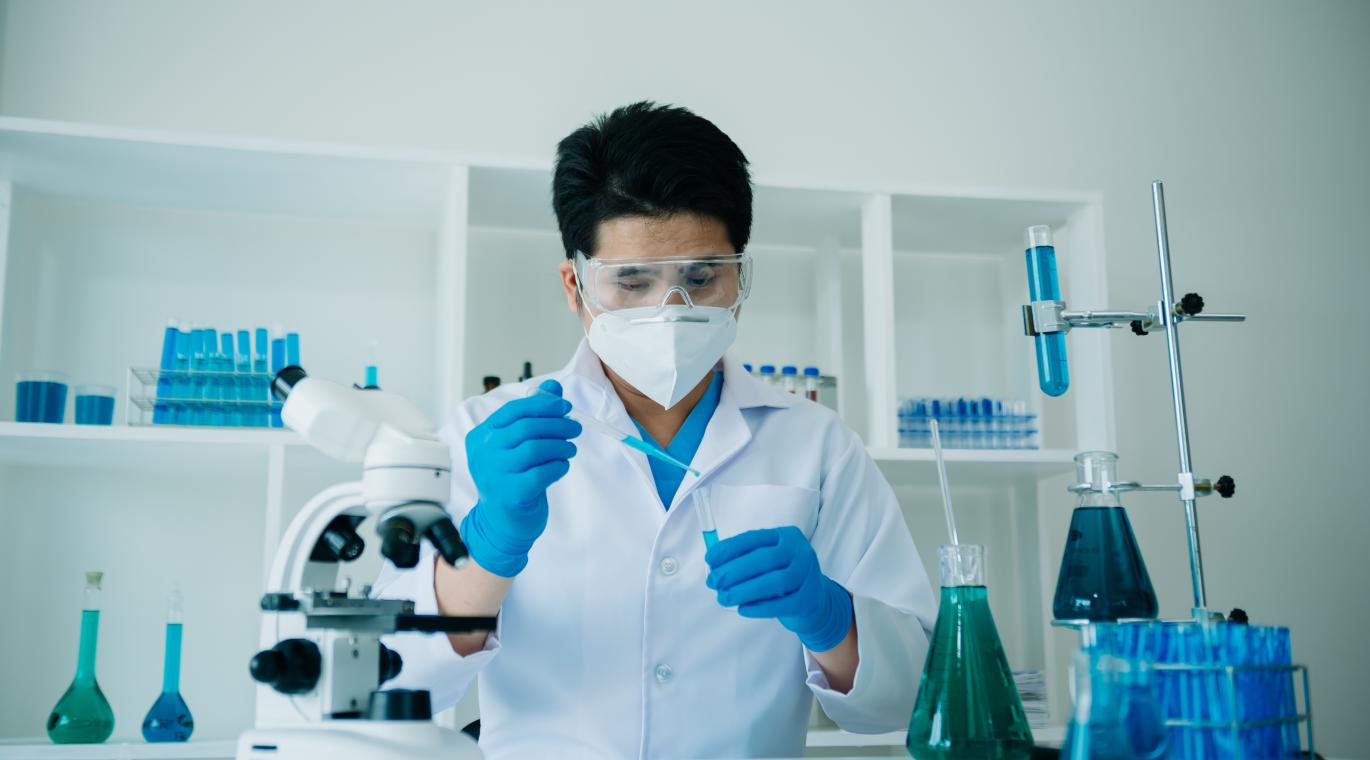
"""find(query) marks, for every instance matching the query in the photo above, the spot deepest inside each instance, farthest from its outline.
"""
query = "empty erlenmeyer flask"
(968, 705)
(169, 720)
(1096, 727)
(1103, 577)
(83, 715)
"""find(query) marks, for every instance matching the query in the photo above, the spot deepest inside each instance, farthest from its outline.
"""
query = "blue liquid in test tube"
(228, 385)
(704, 506)
(292, 349)
(180, 385)
(161, 410)
(243, 365)
(214, 413)
(261, 390)
(1053, 374)
(277, 364)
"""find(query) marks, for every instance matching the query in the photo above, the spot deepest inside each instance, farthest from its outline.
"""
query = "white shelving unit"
(448, 259)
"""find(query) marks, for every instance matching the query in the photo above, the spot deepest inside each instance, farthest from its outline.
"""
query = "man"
(619, 635)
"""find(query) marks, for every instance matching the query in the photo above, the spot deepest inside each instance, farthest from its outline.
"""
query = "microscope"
(322, 663)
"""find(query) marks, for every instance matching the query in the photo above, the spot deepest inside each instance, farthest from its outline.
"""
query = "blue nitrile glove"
(774, 573)
(513, 456)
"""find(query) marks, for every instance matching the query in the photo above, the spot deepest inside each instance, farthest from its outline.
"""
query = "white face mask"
(663, 351)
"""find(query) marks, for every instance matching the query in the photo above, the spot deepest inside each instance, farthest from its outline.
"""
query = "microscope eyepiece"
(399, 544)
(285, 380)
(447, 541)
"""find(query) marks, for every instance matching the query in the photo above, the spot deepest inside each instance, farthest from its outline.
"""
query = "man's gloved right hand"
(513, 456)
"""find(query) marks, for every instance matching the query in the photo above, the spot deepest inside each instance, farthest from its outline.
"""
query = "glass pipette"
(631, 441)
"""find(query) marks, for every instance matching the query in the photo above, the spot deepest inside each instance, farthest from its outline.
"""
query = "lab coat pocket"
(738, 509)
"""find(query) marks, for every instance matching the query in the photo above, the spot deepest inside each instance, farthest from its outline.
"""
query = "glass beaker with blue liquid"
(40, 396)
(1102, 577)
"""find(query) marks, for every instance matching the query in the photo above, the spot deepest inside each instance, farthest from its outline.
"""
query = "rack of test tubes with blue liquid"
(212, 379)
(968, 423)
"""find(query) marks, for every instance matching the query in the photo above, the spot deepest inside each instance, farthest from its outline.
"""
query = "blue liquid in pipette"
(710, 538)
(633, 442)
(653, 451)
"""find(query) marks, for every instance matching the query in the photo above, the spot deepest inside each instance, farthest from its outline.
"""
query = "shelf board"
(128, 447)
(222, 174)
(973, 466)
(38, 749)
(125, 447)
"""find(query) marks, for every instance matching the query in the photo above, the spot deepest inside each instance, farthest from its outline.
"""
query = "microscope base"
(349, 739)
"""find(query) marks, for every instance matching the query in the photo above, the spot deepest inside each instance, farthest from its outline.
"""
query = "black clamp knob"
(1191, 304)
(1138, 328)
(1225, 486)
(291, 667)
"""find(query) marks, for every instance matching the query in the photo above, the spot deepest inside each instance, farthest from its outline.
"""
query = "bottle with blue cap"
(767, 374)
(789, 378)
(811, 378)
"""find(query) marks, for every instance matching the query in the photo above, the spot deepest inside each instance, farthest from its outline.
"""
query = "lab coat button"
(664, 673)
(669, 566)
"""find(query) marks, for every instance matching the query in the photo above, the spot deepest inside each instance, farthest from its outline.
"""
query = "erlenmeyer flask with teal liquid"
(169, 720)
(968, 705)
(83, 715)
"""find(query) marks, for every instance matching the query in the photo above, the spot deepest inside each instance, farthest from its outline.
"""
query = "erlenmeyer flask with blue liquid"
(1103, 577)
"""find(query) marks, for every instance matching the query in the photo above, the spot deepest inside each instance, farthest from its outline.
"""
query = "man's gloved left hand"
(774, 573)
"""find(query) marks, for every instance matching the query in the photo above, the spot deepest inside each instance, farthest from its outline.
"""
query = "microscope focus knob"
(400, 704)
(291, 667)
(1191, 304)
(1225, 486)
(390, 662)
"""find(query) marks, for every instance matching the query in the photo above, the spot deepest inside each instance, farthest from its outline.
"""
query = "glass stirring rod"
(631, 441)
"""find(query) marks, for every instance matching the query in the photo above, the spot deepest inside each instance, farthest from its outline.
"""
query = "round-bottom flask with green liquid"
(968, 705)
(83, 715)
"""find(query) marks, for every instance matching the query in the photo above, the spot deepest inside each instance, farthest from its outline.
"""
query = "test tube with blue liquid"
(277, 364)
(1053, 374)
(705, 508)
(262, 387)
(228, 385)
(214, 413)
(243, 365)
(161, 410)
(199, 364)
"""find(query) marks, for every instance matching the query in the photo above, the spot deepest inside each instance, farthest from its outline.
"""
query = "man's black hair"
(651, 160)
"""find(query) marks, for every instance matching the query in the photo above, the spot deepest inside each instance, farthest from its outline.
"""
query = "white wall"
(1255, 114)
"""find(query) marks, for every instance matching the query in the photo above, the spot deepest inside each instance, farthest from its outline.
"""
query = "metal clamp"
(1042, 317)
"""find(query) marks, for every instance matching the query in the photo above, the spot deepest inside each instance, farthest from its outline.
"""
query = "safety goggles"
(720, 280)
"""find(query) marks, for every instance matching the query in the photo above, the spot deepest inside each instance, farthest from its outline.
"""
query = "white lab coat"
(609, 645)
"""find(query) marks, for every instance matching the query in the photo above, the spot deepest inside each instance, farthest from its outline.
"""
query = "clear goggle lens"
(721, 280)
